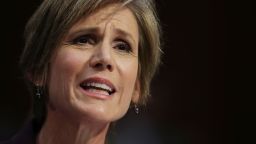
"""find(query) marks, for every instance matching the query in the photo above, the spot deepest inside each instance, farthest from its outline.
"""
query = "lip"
(101, 81)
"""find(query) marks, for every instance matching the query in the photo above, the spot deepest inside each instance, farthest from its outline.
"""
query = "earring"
(38, 92)
(136, 109)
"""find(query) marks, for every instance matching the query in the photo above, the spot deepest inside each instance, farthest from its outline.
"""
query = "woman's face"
(93, 74)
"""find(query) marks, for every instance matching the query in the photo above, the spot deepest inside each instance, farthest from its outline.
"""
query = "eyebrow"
(82, 31)
(125, 34)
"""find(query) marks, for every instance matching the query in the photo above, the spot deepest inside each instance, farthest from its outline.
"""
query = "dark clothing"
(126, 131)
(27, 135)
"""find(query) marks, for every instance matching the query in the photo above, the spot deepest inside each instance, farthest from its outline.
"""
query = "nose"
(102, 58)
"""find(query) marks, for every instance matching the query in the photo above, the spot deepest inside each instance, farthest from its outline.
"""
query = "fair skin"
(93, 78)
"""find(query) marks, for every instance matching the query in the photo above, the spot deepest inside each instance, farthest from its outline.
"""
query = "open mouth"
(98, 86)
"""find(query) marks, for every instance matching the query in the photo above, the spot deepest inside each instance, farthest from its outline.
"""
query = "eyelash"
(84, 39)
(120, 44)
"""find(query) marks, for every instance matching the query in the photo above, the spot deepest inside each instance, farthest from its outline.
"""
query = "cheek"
(67, 63)
(129, 72)
(128, 76)
(63, 71)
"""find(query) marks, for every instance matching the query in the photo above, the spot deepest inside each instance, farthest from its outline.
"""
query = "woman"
(87, 62)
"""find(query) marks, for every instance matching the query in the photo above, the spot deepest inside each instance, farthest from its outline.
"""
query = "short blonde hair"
(53, 19)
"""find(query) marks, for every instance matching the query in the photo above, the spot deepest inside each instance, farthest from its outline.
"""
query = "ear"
(136, 92)
(35, 80)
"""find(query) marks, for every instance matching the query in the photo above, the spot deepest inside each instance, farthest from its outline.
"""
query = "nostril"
(98, 65)
(109, 67)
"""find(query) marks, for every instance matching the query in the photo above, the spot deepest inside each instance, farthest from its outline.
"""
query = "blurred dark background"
(199, 96)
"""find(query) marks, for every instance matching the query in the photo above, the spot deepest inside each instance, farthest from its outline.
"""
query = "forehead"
(114, 14)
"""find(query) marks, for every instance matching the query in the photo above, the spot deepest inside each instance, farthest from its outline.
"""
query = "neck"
(59, 129)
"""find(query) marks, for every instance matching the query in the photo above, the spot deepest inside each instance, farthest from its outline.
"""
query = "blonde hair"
(53, 19)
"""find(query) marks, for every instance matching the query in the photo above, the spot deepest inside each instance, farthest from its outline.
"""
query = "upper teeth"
(99, 85)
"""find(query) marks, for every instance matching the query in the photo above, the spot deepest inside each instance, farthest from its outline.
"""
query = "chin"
(95, 113)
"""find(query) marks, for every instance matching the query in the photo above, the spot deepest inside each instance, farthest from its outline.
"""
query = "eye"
(84, 39)
(123, 46)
